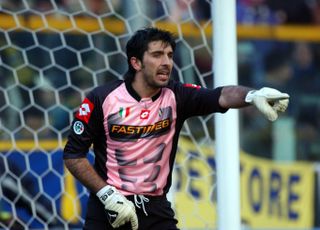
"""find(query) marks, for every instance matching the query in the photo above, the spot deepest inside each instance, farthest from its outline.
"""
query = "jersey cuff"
(221, 109)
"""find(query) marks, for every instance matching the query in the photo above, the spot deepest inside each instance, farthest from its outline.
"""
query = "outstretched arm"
(267, 100)
(234, 96)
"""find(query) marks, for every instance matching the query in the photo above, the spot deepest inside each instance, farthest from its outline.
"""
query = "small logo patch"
(112, 215)
(85, 110)
(144, 114)
(78, 127)
(192, 86)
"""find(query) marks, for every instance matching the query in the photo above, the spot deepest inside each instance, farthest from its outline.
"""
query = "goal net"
(54, 52)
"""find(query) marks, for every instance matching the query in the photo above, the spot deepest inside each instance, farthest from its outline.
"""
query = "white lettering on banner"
(84, 109)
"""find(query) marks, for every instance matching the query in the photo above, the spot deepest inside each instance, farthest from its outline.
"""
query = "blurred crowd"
(248, 11)
(274, 12)
(291, 67)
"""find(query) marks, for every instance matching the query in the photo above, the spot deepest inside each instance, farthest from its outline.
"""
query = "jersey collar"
(134, 94)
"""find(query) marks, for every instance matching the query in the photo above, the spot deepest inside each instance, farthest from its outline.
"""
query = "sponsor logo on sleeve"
(85, 110)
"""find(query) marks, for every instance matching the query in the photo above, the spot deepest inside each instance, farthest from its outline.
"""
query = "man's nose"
(166, 60)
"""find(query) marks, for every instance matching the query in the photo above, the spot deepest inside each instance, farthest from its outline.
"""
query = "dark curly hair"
(138, 44)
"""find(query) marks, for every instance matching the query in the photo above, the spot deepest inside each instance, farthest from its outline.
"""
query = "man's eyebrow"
(159, 52)
(156, 51)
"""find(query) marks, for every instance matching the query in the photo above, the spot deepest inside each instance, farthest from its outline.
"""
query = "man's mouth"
(163, 74)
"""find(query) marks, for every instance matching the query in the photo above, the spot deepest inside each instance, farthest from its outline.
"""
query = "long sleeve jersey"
(135, 139)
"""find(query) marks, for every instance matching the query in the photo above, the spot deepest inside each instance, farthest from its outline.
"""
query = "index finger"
(278, 96)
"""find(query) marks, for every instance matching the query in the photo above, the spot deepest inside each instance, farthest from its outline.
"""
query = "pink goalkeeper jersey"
(139, 140)
(135, 139)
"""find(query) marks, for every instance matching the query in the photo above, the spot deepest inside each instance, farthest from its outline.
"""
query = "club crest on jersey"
(144, 114)
(192, 86)
(85, 110)
(78, 127)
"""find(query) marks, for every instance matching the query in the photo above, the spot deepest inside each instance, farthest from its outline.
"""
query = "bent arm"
(81, 169)
(233, 96)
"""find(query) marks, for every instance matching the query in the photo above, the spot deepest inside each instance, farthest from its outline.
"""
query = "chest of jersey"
(126, 119)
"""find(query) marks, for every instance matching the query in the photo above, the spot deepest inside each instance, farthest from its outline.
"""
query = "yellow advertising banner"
(273, 195)
(277, 195)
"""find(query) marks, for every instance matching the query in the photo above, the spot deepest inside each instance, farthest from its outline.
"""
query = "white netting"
(51, 54)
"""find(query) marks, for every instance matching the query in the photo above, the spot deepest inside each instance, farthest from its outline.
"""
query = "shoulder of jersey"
(105, 89)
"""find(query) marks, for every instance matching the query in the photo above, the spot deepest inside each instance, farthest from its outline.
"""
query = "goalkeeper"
(134, 125)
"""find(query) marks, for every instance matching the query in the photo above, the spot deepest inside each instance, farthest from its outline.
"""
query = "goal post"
(227, 125)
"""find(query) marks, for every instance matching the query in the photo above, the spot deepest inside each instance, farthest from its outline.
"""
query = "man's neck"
(144, 90)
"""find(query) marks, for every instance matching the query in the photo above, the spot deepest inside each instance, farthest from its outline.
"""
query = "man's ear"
(136, 63)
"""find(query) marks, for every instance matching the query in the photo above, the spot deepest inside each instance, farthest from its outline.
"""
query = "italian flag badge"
(124, 112)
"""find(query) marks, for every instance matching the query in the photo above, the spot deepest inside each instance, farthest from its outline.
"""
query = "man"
(134, 127)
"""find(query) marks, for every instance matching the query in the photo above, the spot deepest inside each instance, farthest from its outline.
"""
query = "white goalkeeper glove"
(268, 101)
(119, 209)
